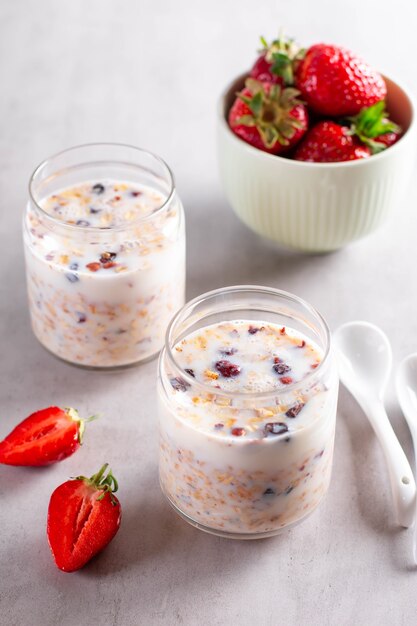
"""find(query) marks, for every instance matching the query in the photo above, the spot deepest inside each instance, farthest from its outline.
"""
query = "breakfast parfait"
(105, 255)
(247, 413)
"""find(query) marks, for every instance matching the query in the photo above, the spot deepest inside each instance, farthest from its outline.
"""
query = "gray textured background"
(149, 73)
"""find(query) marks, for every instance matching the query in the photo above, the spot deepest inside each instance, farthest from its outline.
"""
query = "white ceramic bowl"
(316, 207)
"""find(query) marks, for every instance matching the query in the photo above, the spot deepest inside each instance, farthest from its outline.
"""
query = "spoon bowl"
(365, 357)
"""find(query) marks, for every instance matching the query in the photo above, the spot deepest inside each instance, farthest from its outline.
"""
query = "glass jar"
(104, 239)
(245, 486)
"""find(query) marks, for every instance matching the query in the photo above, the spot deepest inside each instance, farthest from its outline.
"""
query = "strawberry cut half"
(83, 517)
(45, 437)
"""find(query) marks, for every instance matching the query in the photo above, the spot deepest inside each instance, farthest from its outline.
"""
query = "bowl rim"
(221, 112)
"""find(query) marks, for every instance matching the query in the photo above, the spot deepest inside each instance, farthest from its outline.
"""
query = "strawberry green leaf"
(246, 120)
(263, 41)
(256, 103)
(373, 122)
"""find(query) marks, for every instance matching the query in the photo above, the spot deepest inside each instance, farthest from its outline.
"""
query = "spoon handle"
(403, 486)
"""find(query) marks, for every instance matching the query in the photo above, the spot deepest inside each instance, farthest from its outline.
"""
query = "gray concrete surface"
(149, 73)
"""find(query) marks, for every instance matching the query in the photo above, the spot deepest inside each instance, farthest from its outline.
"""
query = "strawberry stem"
(371, 123)
(101, 482)
(73, 414)
(270, 112)
(283, 54)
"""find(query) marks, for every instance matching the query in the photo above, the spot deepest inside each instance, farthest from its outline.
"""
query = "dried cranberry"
(282, 331)
(93, 267)
(252, 330)
(238, 432)
(179, 384)
(281, 368)
(227, 369)
(302, 344)
(98, 188)
(275, 428)
(190, 372)
(109, 264)
(294, 410)
(286, 380)
(135, 194)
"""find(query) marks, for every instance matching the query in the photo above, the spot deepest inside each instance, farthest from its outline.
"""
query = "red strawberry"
(44, 437)
(327, 142)
(387, 140)
(268, 117)
(374, 128)
(83, 517)
(277, 61)
(333, 81)
(369, 132)
(261, 71)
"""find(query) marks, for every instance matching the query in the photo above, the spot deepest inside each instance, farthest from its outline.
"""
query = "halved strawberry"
(335, 82)
(277, 61)
(44, 437)
(268, 116)
(83, 517)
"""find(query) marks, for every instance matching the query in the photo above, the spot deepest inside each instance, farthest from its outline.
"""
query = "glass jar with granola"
(104, 243)
(247, 393)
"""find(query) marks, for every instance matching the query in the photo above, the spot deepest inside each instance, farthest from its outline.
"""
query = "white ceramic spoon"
(406, 383)
(365, 361)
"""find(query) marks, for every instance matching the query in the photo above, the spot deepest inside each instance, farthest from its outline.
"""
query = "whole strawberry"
(327, 142)
(268, 116)
(335, 82)
(277, 61)
(368, 133)
(83, 517)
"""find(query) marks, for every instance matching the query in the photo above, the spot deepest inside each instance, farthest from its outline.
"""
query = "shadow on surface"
(223, 251)
(370, 474)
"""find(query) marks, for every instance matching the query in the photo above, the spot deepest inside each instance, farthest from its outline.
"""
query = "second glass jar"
(104, 238)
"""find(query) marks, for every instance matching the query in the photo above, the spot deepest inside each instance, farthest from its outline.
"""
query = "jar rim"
(252, 289)
(96, 229)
